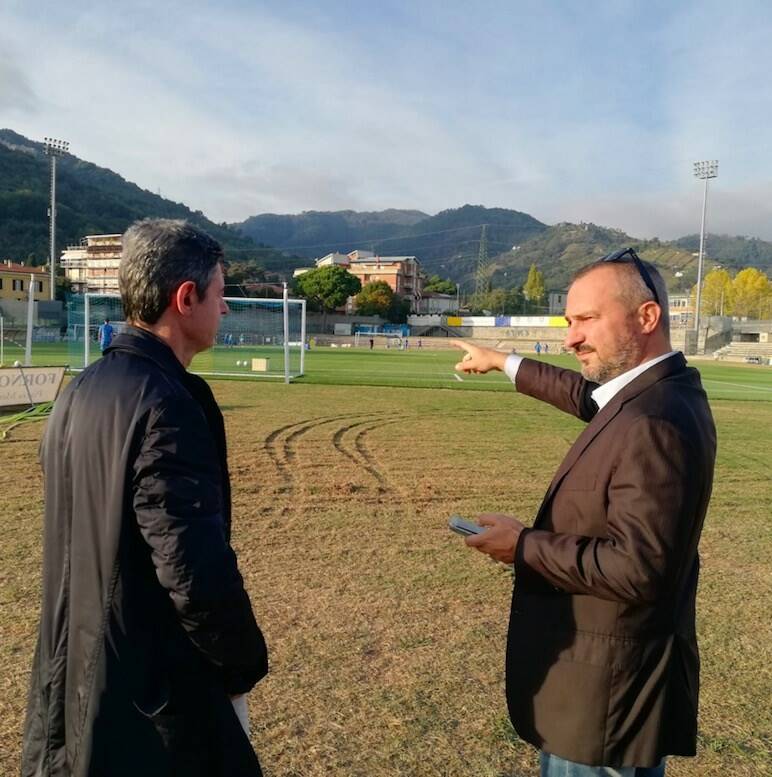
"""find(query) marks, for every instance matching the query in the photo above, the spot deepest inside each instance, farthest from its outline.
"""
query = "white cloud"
(239, 109)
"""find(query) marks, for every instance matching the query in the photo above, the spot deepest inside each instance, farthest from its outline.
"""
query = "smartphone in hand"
(463, 527)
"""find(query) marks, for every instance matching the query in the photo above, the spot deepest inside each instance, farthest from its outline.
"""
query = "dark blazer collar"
(150, 346)
(664, 369)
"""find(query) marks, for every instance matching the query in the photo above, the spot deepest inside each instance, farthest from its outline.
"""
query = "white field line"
(390, 373)
(737, 385)
(458, 378)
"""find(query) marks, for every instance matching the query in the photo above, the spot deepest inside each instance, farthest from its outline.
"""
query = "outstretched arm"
(565, 389)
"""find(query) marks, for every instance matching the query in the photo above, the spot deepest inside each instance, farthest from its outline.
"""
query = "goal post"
(258, 338)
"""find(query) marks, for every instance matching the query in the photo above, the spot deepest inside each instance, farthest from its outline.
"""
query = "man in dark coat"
(602, 662)
(147, 636)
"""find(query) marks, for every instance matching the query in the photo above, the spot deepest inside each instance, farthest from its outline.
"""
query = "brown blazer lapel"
(606, 415)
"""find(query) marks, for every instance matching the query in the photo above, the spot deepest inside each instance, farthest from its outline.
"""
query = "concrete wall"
(319, 323)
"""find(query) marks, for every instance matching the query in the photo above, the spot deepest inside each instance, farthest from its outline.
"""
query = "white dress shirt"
(604, 393)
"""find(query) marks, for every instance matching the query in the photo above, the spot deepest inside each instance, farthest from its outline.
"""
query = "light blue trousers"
(552, 766)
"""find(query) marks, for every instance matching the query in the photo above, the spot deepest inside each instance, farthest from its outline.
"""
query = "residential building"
(681, 309)
(92, 266)
(557, 302)
(332, 259)
(432, 302)
(402, 273)
(15, 281)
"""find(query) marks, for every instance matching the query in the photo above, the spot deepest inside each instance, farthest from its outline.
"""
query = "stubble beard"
(626, 356)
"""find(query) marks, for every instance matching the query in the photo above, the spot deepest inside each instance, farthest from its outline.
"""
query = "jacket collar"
(664, 369)
(146, 344)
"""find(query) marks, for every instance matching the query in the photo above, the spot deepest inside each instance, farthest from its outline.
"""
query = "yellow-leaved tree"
(751, 294)
(716, 294)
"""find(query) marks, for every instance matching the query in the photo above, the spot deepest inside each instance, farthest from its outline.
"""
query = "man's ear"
(184, 297)
(649, 316)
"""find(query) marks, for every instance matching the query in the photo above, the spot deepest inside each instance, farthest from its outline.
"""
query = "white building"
(93, 265)
(433, 302)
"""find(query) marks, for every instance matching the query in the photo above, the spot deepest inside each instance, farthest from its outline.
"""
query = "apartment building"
(92, 266)
(402, 273)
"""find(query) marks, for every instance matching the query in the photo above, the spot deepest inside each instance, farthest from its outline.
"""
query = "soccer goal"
(379, 340)
(259, 338)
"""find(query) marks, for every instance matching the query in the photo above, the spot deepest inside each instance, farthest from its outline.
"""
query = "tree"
(440, 285)
(375, 299)
(497, 302)
(241, 272)
(750, 293)
(533, 290)
(716, 294)
(399, 310)
(327, 287)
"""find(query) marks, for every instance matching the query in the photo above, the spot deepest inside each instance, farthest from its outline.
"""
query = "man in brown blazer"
(602, 661)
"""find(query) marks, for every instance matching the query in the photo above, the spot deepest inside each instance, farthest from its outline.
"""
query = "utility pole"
(54, 148)
(482, 282)
(704, 171)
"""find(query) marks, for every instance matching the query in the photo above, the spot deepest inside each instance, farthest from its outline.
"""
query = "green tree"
(533, 289)
(375, 299)
(327, 287)
(242, 272)
(399, 310)
(750, 292)
(497, 302)
(440, 285)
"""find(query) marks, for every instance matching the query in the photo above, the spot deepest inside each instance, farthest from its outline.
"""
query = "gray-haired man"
(147, 633)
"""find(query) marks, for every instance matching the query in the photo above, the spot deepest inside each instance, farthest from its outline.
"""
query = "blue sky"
(569, 111)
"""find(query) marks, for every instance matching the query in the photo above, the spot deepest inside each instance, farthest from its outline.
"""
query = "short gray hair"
(157, 256)
(634, 289)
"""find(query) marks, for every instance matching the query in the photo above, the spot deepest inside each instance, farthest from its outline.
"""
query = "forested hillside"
(90, 200)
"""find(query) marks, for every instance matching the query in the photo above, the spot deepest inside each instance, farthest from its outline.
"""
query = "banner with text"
(29, 385)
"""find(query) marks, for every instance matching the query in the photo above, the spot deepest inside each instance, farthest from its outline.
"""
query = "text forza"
(39, 379)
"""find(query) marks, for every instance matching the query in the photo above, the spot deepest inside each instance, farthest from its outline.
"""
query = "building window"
(18, 285)
(1, 284)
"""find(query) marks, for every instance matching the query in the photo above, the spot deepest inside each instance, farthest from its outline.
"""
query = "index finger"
(462, 345)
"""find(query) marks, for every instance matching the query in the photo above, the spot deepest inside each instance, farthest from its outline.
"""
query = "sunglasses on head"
(628, 256)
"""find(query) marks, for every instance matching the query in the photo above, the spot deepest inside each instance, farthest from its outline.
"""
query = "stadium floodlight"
(54, 148)
(705, 171)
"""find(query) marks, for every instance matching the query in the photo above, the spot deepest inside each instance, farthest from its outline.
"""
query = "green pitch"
(416, 368)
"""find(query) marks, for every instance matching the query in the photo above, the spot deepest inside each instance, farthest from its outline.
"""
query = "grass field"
(416, 368)
(386, 634)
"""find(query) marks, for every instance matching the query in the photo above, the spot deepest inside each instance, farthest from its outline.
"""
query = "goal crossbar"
(238, 337)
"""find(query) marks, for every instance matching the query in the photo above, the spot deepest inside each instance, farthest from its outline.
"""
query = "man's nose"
(573, 338)
(225, 309)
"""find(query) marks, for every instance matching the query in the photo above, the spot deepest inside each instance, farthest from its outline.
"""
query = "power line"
(482, 280)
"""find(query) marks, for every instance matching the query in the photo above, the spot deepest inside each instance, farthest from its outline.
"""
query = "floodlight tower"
(54, 148)
(705, 171)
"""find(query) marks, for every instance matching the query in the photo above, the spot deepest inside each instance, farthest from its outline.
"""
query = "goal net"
(256, 339)
(377, 340)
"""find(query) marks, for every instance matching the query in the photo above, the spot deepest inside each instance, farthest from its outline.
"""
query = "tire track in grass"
(281, 447)
(358, 453)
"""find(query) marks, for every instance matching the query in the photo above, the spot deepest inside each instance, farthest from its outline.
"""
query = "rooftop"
(9, 266)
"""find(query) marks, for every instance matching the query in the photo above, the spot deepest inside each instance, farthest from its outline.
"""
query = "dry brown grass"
(386, 634)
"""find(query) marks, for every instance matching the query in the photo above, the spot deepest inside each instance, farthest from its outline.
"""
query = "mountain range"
(95, 200)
